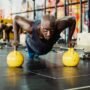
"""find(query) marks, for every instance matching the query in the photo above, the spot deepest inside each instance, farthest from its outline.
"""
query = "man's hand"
(71, 44)
(15, 44)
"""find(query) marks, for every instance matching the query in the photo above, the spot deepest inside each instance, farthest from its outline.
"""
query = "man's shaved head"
(47, 26)
(47, 18)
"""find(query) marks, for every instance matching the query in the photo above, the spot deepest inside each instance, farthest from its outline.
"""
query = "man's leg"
(30, 52)
(67, 22)
(32, 62)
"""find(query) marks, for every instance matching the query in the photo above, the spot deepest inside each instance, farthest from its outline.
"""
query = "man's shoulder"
(36, 25)
(37, 22)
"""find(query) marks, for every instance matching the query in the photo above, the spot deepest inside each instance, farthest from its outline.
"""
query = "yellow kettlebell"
(15, 59)
(71, 57)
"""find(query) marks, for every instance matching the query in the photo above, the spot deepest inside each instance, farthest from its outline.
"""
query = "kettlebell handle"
(15, 48)
(71, 44)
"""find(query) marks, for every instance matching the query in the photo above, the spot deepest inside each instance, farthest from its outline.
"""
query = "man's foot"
(29, 62)
(26, 49)
(34, 64)
(36, 58)
(71, 44)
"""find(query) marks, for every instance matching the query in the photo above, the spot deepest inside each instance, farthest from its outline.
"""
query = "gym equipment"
(70, 57)
(15, 59)
(83, 40)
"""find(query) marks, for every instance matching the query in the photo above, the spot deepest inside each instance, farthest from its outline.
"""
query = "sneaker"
(36, 58)
(29, 62)
(34, 64)
(26, 50)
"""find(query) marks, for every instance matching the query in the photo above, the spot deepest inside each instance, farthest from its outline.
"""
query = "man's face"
(46, 30)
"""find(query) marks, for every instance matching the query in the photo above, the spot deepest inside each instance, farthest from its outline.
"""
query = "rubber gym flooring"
(53, 76)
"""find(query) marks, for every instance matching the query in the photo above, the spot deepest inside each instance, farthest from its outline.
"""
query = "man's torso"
(38, 45)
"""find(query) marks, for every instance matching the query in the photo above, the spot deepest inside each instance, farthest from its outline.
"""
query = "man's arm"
(21, 22)
(66, 22)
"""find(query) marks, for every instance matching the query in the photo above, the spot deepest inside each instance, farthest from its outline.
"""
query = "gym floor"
(54, 76)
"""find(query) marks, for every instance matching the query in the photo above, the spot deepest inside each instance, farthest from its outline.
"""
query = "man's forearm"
(16, 35)
(16, 31)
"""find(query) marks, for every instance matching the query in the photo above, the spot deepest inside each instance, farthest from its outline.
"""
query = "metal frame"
(80, 15)
(45, 6)
(65, 13)
(34, 11)
(56, 9)
(89, 15)
(48, 7)
(89, 4)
